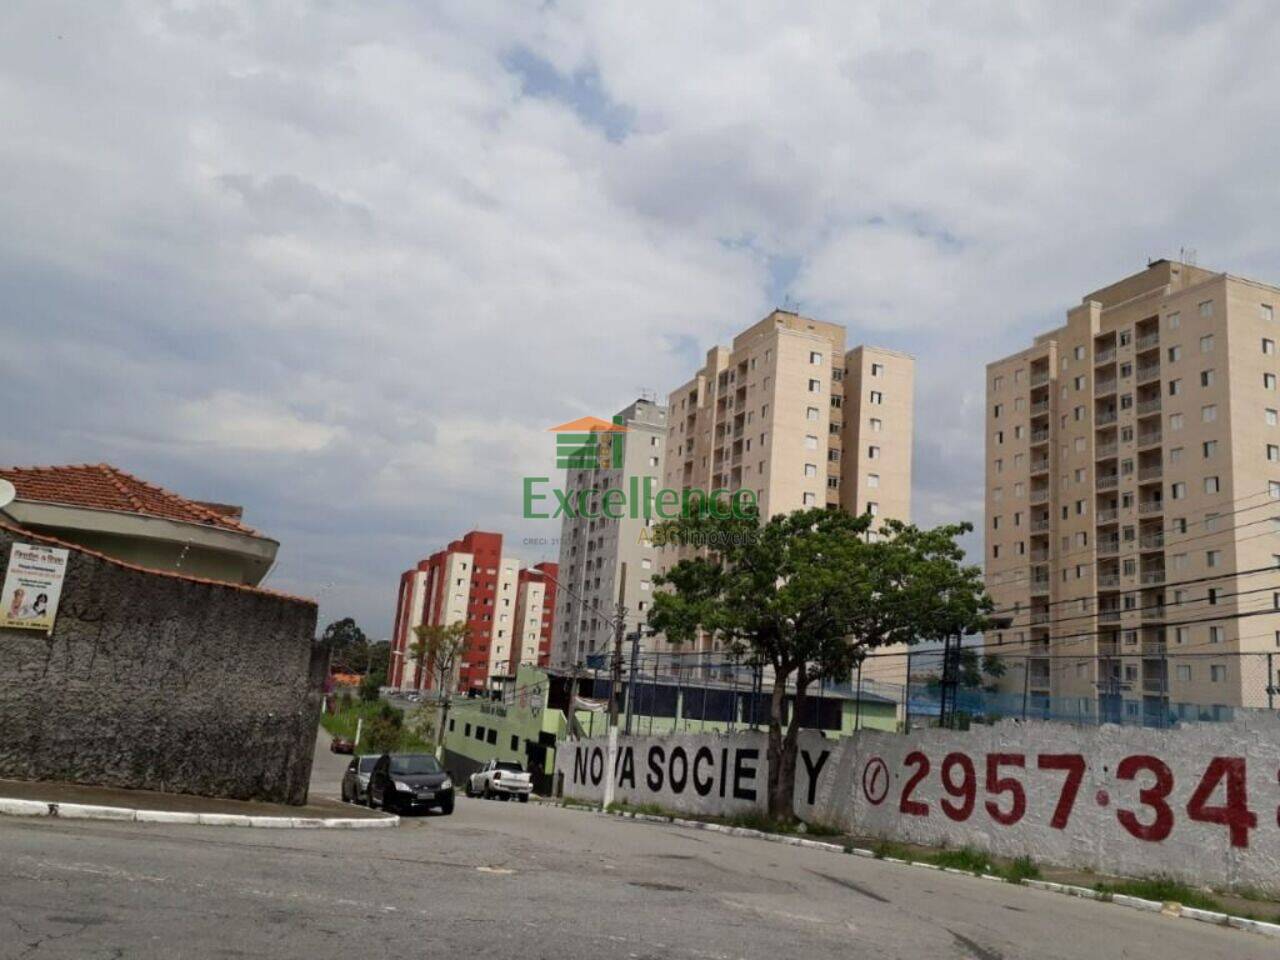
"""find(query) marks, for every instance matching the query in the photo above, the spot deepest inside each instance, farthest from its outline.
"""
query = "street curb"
(87, 811)
(1174, 910)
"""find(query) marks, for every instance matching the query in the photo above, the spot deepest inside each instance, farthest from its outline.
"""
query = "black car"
(408, 782)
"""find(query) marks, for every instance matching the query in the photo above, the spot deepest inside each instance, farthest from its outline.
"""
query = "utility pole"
(631, 678)
(573, 698)
(619, 631)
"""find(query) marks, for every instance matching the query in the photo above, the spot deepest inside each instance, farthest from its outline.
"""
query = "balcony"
(1104, 356)
(1109, 616)
(1149, 371)
(1040, 466)
(1148, 342)
(1103, 387)
(1039, 556)
(1109, 546)
(1040, 526)
(1108, 481)
(1149, 406)
(1108, 516)
(1153, 576)
(1039, 436)
(1038, 377)
(1147, 507)
(1152, 541)
(1154, 614)
(1150, 473)
(1039, 617)
(1108, 580)
(1105, 417)
(1040, 585)
(1039, 407)
(1039, 496)
(1148, 438)
(1106, 451)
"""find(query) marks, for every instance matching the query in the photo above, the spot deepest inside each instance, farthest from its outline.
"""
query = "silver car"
(355, 782)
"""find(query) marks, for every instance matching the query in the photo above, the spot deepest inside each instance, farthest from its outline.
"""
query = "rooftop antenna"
(1187, 255)
(648, 394)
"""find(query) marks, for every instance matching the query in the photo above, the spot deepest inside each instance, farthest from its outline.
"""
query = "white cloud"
(269, 251)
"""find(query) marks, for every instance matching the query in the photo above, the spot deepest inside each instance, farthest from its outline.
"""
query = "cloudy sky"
(345, 263)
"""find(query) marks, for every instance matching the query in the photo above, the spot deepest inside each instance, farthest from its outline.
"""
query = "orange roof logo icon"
(589, 442)
(588, 425)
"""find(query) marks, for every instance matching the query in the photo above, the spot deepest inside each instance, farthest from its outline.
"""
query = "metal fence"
(1145, 686)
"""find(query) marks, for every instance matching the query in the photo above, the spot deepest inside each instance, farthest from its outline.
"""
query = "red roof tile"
(104, 487)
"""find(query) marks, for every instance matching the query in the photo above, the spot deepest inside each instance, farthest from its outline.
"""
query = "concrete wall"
(1144, 802)
(162, 683)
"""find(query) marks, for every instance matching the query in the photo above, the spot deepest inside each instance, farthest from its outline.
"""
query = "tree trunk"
(782, 761)
(444, 718)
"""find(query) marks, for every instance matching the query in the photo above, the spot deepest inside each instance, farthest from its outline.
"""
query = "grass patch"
(645, 809)
(966, 858)
(1023, 868)
(349, 715)
(890, 849)
(1162, 889)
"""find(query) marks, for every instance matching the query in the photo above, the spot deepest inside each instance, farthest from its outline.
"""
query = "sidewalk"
(81, 801)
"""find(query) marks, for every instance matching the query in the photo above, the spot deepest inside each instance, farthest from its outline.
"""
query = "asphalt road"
(527, 881)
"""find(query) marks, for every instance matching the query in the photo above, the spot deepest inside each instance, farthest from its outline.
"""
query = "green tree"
(810, 594)
(348, 646)
(383, 732)
(438, 647)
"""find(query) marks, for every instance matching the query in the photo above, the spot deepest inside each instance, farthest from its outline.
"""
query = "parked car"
(503, 779)
(409, 781)
(342, 745)
(355, 782)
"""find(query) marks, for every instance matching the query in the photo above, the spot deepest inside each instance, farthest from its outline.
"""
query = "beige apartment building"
(604, 559)
(1132, 457)
(788, 413)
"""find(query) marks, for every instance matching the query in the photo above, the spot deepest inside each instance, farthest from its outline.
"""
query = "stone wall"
(160, 682)
(1200, 803)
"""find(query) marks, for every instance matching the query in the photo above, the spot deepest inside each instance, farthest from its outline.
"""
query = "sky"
(344, 264)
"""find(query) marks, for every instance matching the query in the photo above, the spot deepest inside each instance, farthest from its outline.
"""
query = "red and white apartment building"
(508, 609)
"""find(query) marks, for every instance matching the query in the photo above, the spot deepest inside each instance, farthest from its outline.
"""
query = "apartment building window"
(997, 494)
(1206, 309)
(995, 412)
(1212, 558)
(1268, 346)
(1178, 490)
(1184, 673)
(1269, 381)
(1078, 413)
(1126, 370)
(810, 469)
(810, 442)
(810, 499)
(833, 456)
(1175, 387)
(1182, 635)
(815, 386)
(833, 483)
(1217, 671)
(1206, 343)
(1175, 455)
(1212, 485)
(1126, 401)
(873, 453)
(1174, 320)
(1080, 444)
(1017, 404)
(1209, 413)
(876, 424)
(1273, 488)
(815, 357)
(1272, 417)
(873, 481)
(995, 521)
(811, 413)
(1206, 378)
(873, 508)
(1273, 452)
(1210, 447)
(1079, 383)
(1080, 474)
(1265, 312)
(1126, 337)
(997, 383)
(877, 369)
(836, 401)
(1081, 508)
(1175, 354)
(1175, 421)
(877, 397)
(1017, 432)
(1179, 524)
(1079, 353)
(1017, 518)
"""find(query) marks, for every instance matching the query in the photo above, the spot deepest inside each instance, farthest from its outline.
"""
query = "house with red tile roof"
(105, 509)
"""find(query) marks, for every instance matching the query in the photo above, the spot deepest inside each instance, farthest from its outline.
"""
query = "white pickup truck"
(500, 778)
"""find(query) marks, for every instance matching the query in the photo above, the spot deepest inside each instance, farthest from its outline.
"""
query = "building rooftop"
(100, 486)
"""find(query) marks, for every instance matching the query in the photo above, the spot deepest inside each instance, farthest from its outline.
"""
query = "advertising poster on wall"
(32, 587)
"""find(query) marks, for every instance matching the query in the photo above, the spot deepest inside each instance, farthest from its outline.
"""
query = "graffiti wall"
(1201, 803)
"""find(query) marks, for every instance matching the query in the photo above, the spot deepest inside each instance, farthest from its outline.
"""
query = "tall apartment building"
(788, 413)
(534, 617)
(470, 581)
(1127, 452)
(594, 552)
